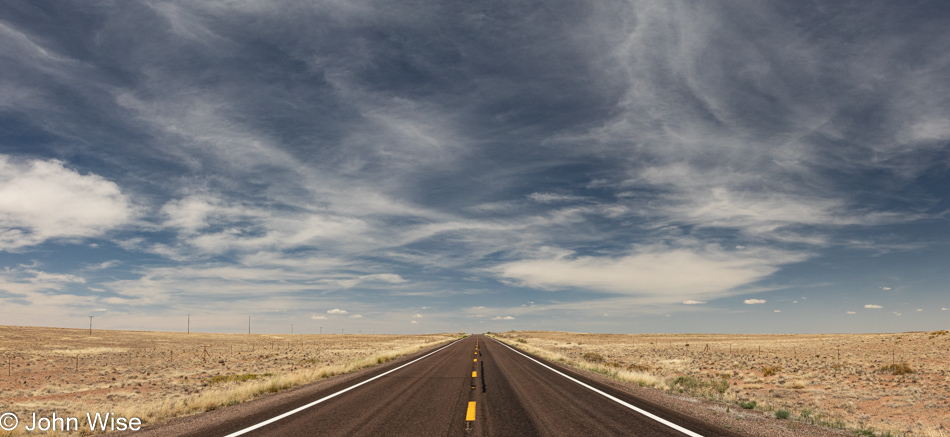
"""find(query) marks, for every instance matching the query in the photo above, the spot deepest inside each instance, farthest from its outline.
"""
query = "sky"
(421, 166)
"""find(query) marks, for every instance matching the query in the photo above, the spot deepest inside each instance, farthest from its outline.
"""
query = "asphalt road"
(434, 396)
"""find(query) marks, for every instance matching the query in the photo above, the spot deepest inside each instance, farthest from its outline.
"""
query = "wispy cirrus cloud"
(635, 155)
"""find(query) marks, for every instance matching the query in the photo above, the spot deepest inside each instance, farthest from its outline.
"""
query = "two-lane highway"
(473, 387)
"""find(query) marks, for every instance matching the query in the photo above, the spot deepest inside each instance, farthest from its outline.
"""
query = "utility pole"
(291, 329)
(321, 330)
(189, 323)
(249, 325)
(90, 324)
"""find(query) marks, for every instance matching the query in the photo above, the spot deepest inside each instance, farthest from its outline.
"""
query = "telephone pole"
(90, 324)
(189, 324)
(249, 325)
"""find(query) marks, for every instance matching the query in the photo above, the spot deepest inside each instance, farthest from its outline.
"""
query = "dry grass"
(868, 383)
(160, 375)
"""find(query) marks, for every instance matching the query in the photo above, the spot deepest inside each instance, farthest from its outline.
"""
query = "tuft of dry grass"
(593, 357)
(898, 369)
(770, 370)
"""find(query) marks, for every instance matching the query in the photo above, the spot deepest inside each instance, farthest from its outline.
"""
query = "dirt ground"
(160, 375)
(837, 380)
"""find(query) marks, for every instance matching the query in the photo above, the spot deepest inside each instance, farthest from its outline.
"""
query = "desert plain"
(867, 384)
(156, 376)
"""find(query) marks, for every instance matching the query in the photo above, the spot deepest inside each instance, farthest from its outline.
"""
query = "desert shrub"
(613, 364)
(770, 370)
(747, 405)
(783, 414)
(721, 386)
(639, 367)
(593, 357)
(521, 340)
(898, 369)
(687, 382)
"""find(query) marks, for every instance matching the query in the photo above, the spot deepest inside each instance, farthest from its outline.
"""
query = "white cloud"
(920, 309)
(40, 287)
(794, 301)
(873, 306)
(754, 301)
(417, 316)
(851, 312)
(930, 129)
(41, 200)
(414, 322)
(502, 318)
(384, 277)
(318, 317)
(944, 309)
(656, 273)
(886, 288)
(356, 316)
(693, 302)
(897, 313)
(104, 265)
(336, 311)
(553, 197)
(777, 311)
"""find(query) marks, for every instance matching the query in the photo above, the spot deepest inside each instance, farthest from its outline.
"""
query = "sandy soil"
(835, 380)
(160, 374)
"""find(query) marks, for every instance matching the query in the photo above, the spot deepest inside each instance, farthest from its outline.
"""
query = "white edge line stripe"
(299, 409)
(613, 398)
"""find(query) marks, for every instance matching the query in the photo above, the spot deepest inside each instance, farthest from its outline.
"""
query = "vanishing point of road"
(472, 387)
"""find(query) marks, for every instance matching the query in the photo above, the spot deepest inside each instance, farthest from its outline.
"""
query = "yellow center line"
(474, 360)
(470, 415)
(474, 374)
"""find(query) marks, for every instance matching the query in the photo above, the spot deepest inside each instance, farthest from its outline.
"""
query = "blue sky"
(439, 166)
